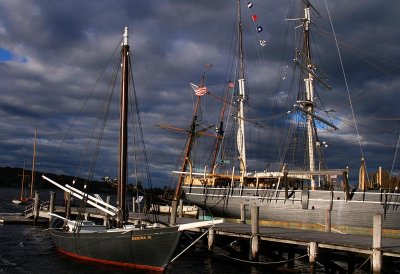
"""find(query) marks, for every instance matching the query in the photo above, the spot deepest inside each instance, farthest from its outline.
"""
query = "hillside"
(12, 177)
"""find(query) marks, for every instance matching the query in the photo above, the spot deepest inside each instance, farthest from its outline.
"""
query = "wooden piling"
(328, 220)
(174, 208)
(67, 196)
(133, 204)
(255, 230)
(51, 204)
(36, 208)
(211, 238)
(242, 213)
(180, 208)
(376, 260)
(106, 216)
(312, 255)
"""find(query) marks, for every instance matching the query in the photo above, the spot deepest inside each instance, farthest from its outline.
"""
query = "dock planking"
(343, 242)
(15, 219)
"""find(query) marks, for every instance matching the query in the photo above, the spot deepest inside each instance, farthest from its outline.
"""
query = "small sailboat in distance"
(22, 197)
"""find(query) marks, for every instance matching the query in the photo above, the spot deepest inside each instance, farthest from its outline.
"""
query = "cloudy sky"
(52, 53)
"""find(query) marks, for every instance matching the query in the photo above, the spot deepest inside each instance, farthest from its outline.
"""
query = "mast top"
(125, 36)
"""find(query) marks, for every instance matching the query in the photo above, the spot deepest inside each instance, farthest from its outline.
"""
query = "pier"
(256, 239)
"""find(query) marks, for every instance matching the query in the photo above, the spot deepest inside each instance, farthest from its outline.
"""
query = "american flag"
(200, 91)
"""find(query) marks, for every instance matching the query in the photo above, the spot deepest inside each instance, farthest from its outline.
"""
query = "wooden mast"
(241, 140)
(220, 133)
(189, 144)
(22, 184)
(33, 165)
(308, 103)
(123, 140)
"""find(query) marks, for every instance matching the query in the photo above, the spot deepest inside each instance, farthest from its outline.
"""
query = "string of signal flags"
(259, 29)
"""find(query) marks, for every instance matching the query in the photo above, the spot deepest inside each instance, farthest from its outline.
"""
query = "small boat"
(23, 199)
(293, 186)
(120, 243)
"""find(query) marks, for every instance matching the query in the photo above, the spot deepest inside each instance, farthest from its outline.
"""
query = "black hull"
(303, 208)
(146, 249)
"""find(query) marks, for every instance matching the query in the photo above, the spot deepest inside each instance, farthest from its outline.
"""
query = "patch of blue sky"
(6, 55)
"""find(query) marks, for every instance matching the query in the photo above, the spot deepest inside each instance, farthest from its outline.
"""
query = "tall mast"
(309, 100)
(189, 144)
(241, 141)
(220, 132)
(123, 139)
(33, 165)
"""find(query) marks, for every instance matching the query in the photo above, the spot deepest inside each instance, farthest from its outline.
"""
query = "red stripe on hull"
(139, 266)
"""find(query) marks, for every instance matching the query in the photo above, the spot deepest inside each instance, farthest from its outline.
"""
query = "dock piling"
(174, 207)
(312, 255)
(211, 238)
(255, 230)
(377, 244)
(180, 208)
(242, 213)
(106, 216)
(67, 196)
(51, 204)
(133, 204)
(328, 220)
(36, 209)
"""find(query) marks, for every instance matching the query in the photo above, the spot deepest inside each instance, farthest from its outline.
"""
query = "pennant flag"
(254, 17)
(231, 84)
(263, 43)
(259, 29)
(249, 5)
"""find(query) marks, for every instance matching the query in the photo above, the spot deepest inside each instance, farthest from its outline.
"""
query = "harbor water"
(29, 249)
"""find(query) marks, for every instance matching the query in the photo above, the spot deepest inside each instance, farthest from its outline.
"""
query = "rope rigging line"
(345, 79)
(140, 128)
(89, 95)
(395, 154)
(101, 119)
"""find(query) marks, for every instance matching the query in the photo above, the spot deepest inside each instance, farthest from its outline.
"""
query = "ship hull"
(145, 248)
(302, 209)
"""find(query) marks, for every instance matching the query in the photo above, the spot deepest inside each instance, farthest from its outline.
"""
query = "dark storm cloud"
(60, 47)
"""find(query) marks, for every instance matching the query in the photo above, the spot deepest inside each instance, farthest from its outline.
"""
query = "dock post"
(242, 213)
(51, 205)
(174, 206)
(255, 231)
(211, 237)
(377, 244)
(67, 205)
(312, 255)
(328, 220)
(106, 216)
(133, 205)
(180, 208)
(36, 207)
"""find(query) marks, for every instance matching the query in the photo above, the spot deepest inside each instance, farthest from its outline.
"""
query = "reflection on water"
(29, 249)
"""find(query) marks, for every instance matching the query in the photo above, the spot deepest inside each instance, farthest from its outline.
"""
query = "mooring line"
(362, 264)
(261, 263)
(202, 235)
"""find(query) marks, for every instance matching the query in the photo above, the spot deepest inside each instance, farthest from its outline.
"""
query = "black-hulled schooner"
(118, 243)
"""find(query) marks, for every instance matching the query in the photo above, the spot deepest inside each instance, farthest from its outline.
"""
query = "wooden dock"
(375, 248)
